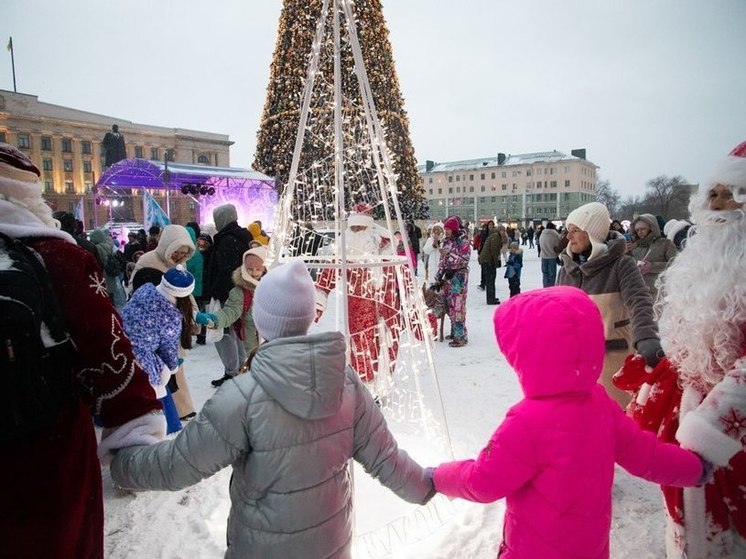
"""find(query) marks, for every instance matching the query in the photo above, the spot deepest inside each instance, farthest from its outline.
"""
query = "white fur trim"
(701, 436)
(144, 430)
(643, 394)
(19, 223)
(321, 300)
(731, 172)
(695, 523)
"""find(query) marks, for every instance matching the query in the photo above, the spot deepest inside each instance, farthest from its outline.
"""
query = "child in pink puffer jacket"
(553, 456)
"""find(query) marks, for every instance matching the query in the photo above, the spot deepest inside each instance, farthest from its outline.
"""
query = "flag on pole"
(10, 44)
(154, 214)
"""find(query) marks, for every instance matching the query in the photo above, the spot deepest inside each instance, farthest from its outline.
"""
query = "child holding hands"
(289, 430)
(553, 457)
(236, 311)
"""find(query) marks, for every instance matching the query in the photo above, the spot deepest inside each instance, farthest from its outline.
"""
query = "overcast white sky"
(648, 87)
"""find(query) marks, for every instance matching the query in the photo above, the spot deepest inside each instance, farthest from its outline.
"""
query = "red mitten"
(632, 375)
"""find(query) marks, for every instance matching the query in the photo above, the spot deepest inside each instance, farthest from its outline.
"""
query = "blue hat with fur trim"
(177, 282)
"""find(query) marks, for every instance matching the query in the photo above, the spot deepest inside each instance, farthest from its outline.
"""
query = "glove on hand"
(651, 351)
(707, 471)
(205, 318)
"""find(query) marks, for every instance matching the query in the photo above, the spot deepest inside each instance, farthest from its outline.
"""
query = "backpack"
(36, 378)
(115, 264)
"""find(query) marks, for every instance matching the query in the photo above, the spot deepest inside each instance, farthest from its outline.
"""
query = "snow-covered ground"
(477, 387)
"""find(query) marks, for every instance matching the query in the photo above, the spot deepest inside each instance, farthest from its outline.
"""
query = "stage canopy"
(252, 192)
(141, 173)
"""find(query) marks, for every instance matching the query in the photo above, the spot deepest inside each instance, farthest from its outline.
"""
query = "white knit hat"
(284, 302)
(177, 282)
(593, 218)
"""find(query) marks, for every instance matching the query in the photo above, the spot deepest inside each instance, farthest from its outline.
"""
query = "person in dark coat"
(489, 260)
(69, 225)
(229, 245)
(414, 234)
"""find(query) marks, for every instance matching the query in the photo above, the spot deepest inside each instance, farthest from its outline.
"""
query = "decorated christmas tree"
(288, 77)
(332, 146)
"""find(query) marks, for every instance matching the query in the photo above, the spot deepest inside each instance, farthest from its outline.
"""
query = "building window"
(3, 138)
(567, 169)
(553, 184)
(205, 160)
(46, 143)
(471, 177)
(458, 190)
(85, 147)
(482, 188)
(538, 171)
(69, 187)
(49, 187)
(450, 179)
(67, 145)
(430, 180)
(505, 187)
(138, 152)
(87, 168)
(471, 189)
(492, 175)
(458, 178)
(24, 142)
(481, 176)
(46, 164)
(528, 172)
(504, 174)
(155, 153)
(567, 183)
(67, 165)
(88, 185)
(440, 191)
(450, 190)
(552, 170)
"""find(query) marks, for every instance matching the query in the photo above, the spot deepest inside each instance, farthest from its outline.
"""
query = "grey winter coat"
(289, 428)
(615, 284)
(655, 249)
(550, 244)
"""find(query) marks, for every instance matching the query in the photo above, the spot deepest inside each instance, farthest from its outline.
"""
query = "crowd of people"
(646, 368)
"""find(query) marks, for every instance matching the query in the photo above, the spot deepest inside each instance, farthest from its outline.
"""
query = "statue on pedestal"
(114, 147)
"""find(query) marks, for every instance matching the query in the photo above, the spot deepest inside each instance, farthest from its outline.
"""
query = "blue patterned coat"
(153, 325)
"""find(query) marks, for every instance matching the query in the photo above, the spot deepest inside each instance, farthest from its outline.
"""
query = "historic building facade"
(66, 145)
(518, 189)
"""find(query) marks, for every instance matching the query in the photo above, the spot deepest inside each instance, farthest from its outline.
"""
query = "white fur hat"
(732, 172)
(593, 218)
(673, 226)
(360, 220)
(284, 302)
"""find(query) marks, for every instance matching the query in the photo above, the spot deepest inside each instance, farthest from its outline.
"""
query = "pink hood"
(566, 352)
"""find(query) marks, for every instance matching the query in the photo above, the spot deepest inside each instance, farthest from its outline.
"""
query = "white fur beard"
(703, 298)
(362, 243)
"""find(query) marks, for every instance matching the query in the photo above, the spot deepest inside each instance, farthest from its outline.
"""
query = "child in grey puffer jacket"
(288, 429)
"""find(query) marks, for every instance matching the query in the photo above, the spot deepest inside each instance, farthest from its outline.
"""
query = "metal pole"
(12, 63)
